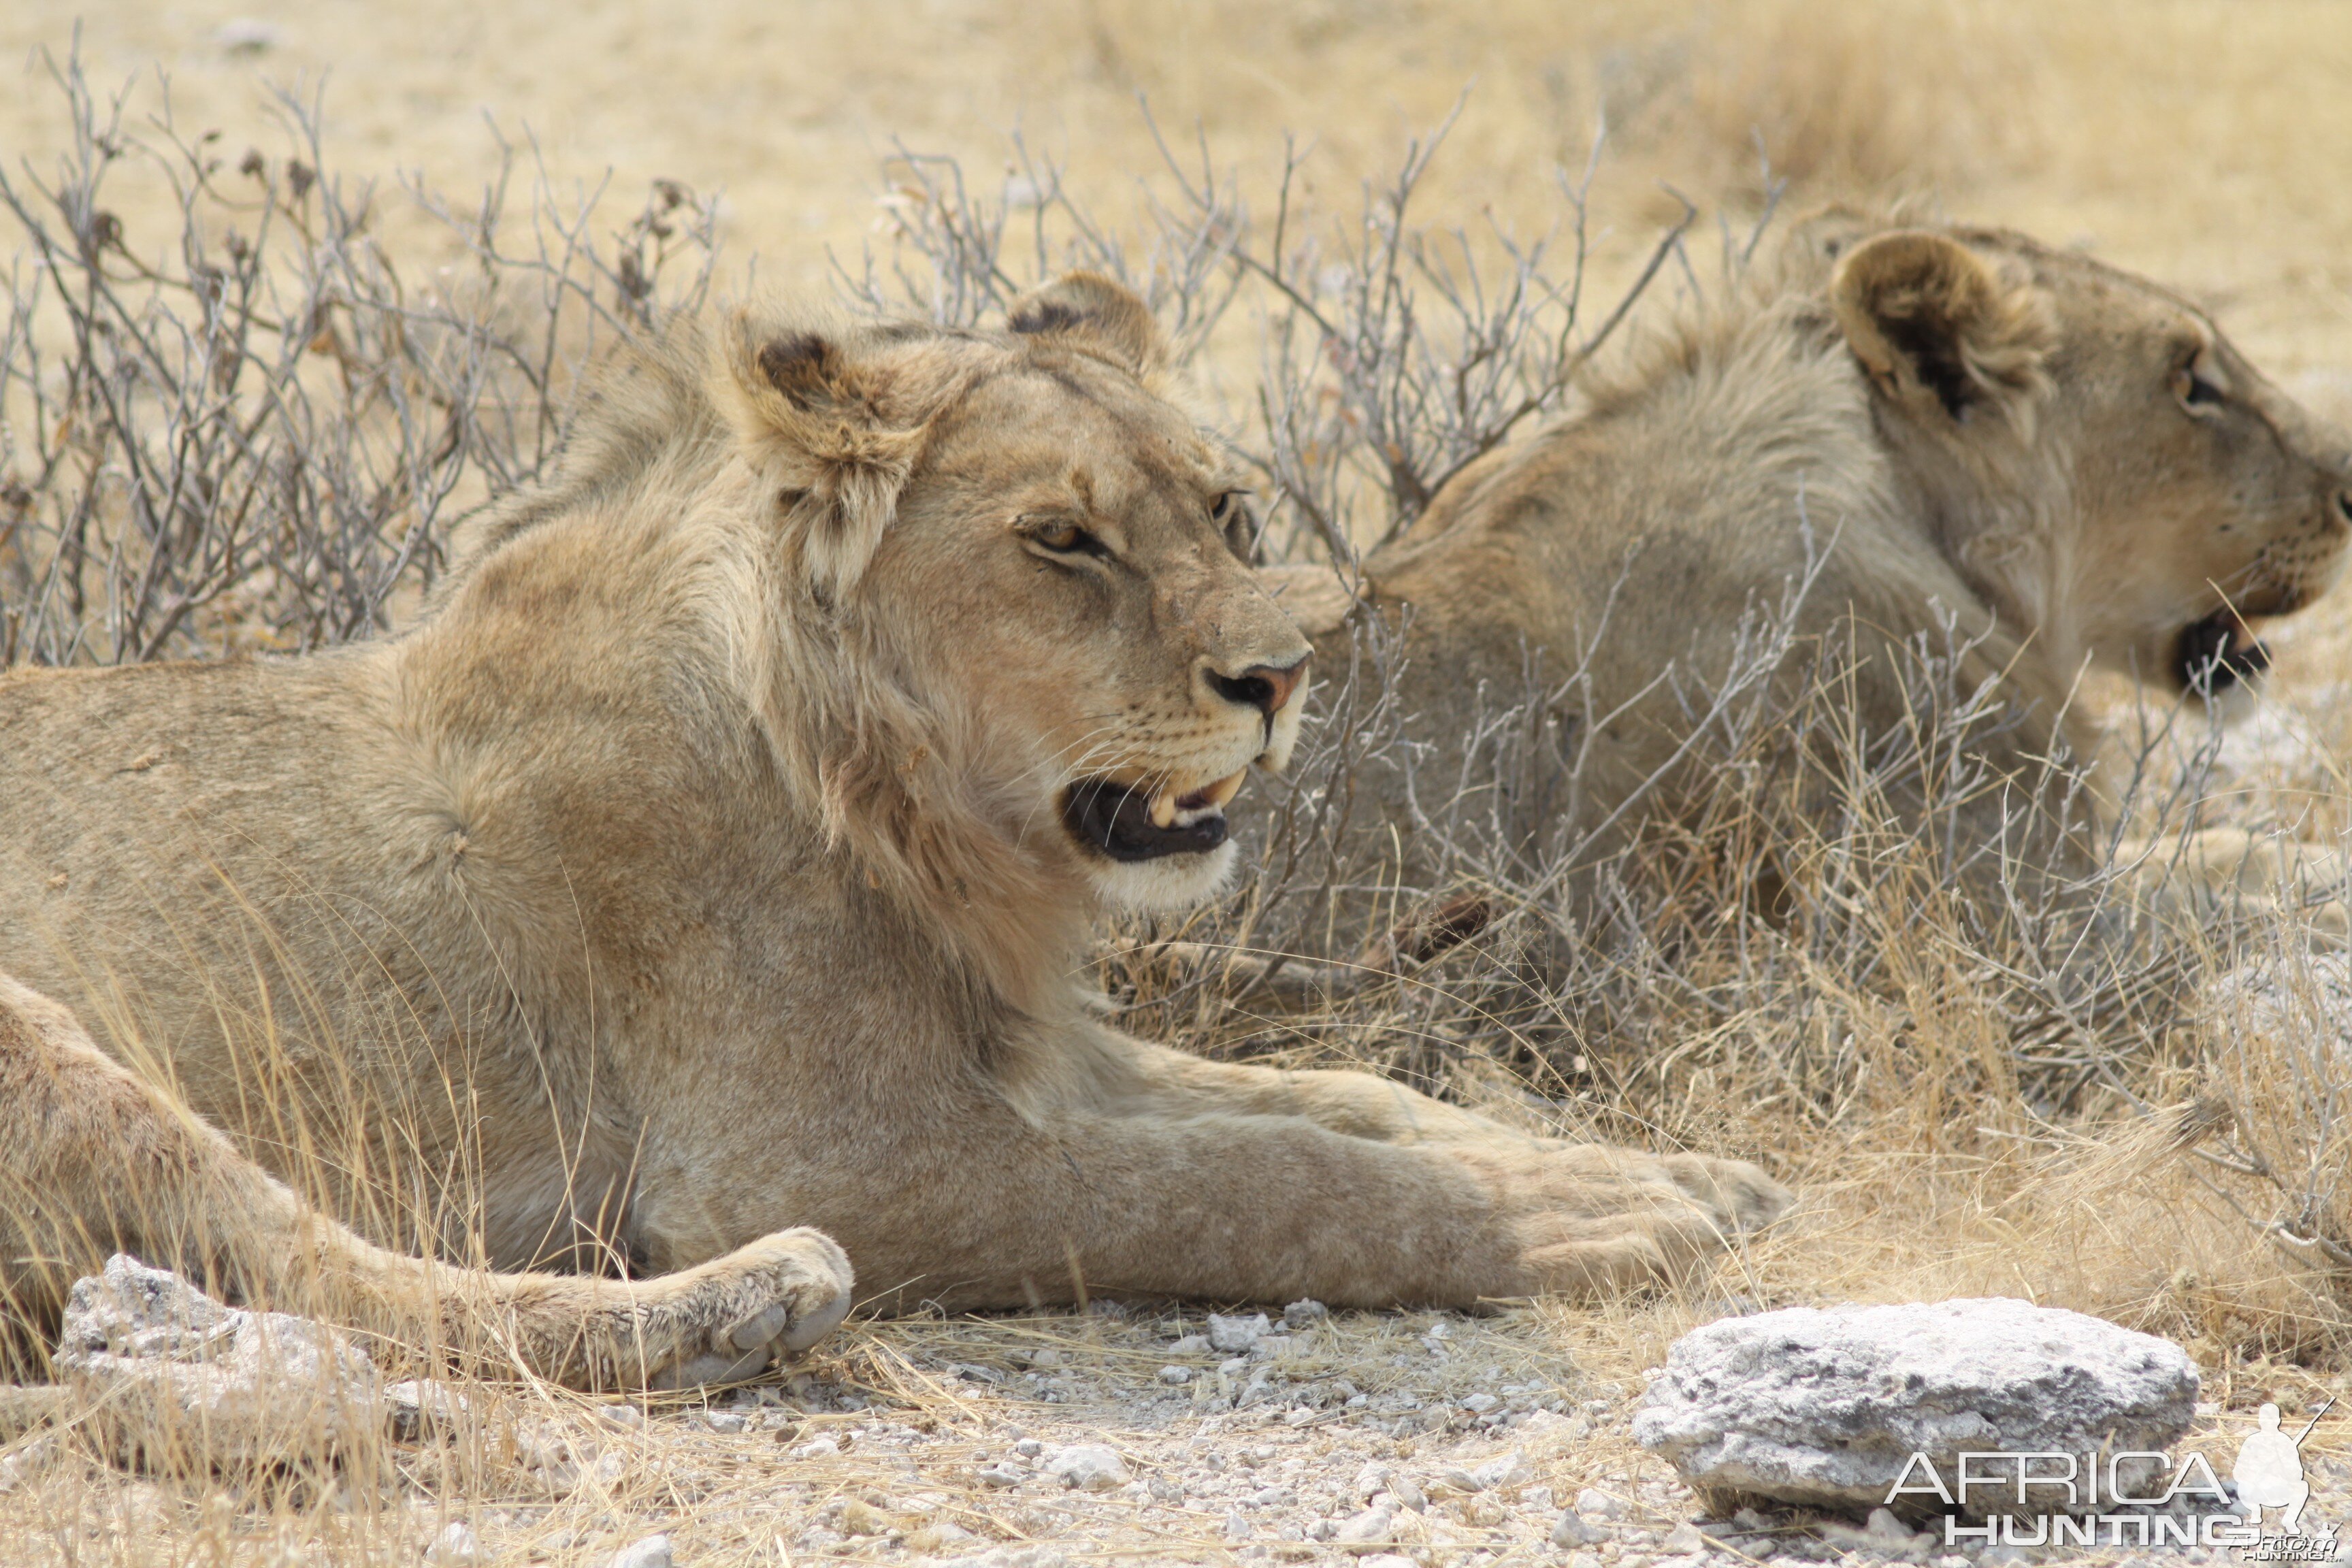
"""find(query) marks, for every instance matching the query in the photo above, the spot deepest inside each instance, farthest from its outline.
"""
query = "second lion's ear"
(1937, 327)
(1097, 314)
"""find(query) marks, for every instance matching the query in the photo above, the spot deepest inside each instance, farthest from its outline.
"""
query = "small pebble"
(454, 1547)
(1235, 1335)
(1087, 1466)
(652, 1552)
(1175, 1375)
(1573, 1531)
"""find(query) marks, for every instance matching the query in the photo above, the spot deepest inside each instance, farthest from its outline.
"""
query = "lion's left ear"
(1937, 327)
(1097, 314)
(831, 436)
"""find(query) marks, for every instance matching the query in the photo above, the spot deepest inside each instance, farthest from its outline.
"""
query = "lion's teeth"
(1163, 808)
(1222, 792)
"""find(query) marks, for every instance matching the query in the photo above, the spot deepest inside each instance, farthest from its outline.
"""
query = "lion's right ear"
(819, 426)
(1937, 328)
(1099, 314)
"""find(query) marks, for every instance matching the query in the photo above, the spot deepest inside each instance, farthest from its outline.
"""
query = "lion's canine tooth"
(1163, 808)
(1221, 792)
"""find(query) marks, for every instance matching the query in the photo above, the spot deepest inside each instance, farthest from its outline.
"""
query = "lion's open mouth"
(2216, 653)
(1138, 819)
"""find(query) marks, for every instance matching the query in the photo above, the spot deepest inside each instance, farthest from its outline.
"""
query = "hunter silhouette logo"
(2129, 1499)
(2269, 1473)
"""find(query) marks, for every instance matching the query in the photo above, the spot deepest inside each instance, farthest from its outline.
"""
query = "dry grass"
(1969, 1103)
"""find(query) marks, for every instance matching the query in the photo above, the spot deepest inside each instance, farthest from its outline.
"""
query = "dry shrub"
(254, 429)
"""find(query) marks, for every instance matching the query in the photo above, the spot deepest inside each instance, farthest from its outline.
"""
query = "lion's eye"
(2193, 389)
(1066, 539)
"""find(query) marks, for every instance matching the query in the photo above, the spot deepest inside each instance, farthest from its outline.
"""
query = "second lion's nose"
(1265, 687)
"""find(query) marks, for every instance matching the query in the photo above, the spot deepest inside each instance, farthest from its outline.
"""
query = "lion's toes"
(734, 1316)
(1739, 1195)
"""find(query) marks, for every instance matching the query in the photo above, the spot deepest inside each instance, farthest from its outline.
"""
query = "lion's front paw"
(1592, 1219)
(731, 1318)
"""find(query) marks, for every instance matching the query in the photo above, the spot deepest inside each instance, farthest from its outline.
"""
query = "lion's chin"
(1168, 883)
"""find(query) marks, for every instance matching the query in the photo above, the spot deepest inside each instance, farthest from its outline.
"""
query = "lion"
(686, 916)
(1911, 453)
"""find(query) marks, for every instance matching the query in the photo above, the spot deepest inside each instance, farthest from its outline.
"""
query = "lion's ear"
(819, 425)
(1096, 313)
(1936, 326)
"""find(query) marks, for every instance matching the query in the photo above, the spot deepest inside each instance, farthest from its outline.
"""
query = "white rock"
(723, 1420)
(1572, 1530)
(1825, 1408)
(1236, 1527)
(1304, 1313)
(1001, 1475)
(420, 1408)
(1374, 1525)
(1479, 1404)
(625, 1416)
(1594, 1503)
(1887, 1527)
(188, 1381)
(652, 1552)
(454, 1547)
(1234, 1335)
(1509, 1470)
(1176, 1374)
(1387, 1560)
(1685, 1540)
(1087, 1467)
(1190, 1344)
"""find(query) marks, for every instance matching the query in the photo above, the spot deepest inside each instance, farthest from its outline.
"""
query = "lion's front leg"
(1532, 1215)
(95, 1160)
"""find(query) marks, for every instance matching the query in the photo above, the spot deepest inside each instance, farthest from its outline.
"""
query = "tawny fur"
(697, 868)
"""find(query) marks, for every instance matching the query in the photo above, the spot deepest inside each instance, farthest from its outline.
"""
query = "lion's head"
(2098, 460)
(1020, 646)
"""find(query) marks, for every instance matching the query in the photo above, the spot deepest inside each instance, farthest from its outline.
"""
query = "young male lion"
(718, 855)
(1901, 446)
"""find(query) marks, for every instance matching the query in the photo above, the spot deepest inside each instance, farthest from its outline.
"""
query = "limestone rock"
(1087, 1466)
(189, 1382)
(1235, 1335)
(1825, 1408)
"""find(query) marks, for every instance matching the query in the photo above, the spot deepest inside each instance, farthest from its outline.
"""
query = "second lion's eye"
(2195, 389)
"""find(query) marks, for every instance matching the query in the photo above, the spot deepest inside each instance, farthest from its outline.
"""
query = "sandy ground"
(1422, 1438)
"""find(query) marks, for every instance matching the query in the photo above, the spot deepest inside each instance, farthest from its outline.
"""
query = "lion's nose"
(1264, 687)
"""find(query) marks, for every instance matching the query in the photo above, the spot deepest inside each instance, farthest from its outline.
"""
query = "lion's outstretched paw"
(1598, 1219)
(1737, 1195)
(731, 1318)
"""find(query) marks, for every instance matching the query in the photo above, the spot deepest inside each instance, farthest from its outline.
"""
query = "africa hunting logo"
(2071, 1500)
